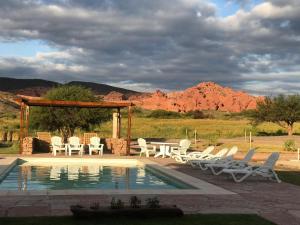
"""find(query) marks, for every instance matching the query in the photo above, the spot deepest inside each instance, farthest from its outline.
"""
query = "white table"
(164, 148)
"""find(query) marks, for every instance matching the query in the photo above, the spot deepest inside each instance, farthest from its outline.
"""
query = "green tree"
(66, 120)
(283, 110)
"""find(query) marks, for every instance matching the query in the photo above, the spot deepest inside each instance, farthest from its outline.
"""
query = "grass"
(292, 177)
(9, 147)
(176, 128)
(199, 219)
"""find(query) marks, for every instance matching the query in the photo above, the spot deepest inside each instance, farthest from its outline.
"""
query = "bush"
(213, 139)
(197, 114)
(135, 202)
(152, 202)
(116, 203)
(162, 114)
(289, 145)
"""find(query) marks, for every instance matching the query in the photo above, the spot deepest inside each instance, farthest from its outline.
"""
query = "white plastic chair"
(95, 145)
(217, 168)
(74, 145)
(181, 149)
(57, 145)
(145, 149)
(266, 170)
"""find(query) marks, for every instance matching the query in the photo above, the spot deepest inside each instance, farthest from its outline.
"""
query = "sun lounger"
(226, 158)
(217, 168)
(194, 155)
(219, 155)
(265, 170)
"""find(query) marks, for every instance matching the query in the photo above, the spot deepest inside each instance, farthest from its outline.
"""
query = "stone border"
(200, 187)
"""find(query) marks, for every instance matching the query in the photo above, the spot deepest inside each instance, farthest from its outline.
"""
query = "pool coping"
(201, 187)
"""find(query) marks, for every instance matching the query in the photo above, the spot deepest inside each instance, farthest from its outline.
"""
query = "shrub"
(116, 203)
(152, 202)
(213, 139)
(197, 114)
(164, 114)
(135, 202)
(95, 205)
(289, 145)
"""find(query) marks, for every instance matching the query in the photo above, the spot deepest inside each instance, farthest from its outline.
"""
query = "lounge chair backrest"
(221, 153)
(74, 140)
(271, 160)
(208, 150)
(185, 144)
(249, 155)
(232, 151)
(142, 143)
(95, 141)
(56, 141)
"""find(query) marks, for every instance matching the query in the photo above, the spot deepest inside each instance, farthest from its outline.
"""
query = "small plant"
(116, 203)
(95, 205)
(289, 145)
(152, 202)
(135, 202)
(213, 139)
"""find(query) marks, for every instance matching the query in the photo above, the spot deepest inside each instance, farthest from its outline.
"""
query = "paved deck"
(279, 203)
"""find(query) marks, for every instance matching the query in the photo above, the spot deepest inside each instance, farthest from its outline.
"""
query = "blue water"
(93, 176)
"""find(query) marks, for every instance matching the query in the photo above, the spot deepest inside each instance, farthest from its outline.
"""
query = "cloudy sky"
(252, 45)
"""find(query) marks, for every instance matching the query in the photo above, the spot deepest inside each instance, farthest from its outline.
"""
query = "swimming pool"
(92, 175)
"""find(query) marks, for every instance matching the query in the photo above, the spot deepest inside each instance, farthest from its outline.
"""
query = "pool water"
(25, 177)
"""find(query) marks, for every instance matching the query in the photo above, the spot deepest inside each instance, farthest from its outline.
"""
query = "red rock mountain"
(204, 96)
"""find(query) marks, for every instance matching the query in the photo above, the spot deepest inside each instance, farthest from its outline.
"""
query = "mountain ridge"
(38, 87)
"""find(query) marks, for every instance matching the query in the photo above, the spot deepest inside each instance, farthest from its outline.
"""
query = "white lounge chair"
(217, 168)
(57, 145)
(95, 146)
(226, 158)
(265, 170)
(74, 145)
(146, 149)
(218, 155)
(194, 155)
(181, 149)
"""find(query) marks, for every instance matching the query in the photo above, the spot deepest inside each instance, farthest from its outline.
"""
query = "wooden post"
(245, 135)
(27, 121)
(195, 137)
(129, 130)
(119, 124)
(21, 127)
(250, 139)
(186, 134)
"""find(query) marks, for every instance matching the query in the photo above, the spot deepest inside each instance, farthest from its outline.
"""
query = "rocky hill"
(204, 96)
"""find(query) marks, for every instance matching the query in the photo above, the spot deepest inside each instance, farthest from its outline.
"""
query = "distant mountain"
(38, 87)
(204, 96)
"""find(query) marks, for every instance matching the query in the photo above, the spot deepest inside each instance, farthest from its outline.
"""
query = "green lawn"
(292, 177)
(208, 219)
(9, 147)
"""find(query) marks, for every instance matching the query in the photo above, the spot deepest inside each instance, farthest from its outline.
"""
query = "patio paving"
(279, 203)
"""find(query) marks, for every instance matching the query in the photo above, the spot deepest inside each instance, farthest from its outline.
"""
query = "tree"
(66, 120)
(283, 110)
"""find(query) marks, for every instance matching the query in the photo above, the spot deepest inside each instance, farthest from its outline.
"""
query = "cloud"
(154, 44)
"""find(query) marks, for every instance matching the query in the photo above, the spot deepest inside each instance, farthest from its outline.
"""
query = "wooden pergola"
(25, 104)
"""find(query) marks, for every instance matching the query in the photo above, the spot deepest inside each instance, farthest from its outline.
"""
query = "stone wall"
(28, 145)
(117, 146)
